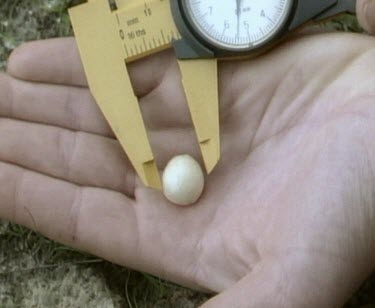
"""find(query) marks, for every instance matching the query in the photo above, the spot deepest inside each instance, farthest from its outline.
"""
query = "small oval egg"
(183, 180)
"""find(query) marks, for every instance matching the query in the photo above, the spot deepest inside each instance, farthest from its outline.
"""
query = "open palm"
(287, 217)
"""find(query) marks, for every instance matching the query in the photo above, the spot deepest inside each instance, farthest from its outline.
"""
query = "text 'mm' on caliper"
(112, 33)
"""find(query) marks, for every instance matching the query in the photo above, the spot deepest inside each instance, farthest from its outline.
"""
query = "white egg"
(183, 180)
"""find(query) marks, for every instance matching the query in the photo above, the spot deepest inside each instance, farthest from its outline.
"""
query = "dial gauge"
(237, 24)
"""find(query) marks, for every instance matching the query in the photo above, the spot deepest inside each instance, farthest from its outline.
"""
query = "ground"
(35, 272)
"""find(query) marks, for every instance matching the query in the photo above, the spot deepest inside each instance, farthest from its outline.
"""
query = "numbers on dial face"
(238, 24)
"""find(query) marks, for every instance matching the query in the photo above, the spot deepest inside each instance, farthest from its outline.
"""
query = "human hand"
(287, 218)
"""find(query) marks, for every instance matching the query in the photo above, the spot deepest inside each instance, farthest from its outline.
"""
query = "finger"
(288, 283)
(366, 14)
(155, 79)
(74, 107)
(50, 61)
(67, 107)
(164, 108)
(58, 61)
(82, 158)
(93, 220)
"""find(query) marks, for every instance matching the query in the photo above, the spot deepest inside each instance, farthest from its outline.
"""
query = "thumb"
(275, 284)
(366, 14)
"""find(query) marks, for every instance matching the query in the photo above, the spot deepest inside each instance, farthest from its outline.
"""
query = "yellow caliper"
(110, 35)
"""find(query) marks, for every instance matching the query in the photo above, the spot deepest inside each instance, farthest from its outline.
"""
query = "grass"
(36, 272)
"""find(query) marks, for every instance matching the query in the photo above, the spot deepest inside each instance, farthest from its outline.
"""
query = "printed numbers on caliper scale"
(112, 33)
(106, 39)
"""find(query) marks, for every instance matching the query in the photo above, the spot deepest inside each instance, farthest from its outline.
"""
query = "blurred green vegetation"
(35, 272)
(22, 20)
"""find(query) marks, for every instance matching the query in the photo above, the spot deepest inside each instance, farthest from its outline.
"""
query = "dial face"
(237, 24)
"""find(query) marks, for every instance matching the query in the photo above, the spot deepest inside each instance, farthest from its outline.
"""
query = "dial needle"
(238, 8)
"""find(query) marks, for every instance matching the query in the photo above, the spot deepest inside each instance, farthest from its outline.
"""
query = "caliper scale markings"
(140, 34)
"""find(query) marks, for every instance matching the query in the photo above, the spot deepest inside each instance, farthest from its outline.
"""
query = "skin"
(287, 218)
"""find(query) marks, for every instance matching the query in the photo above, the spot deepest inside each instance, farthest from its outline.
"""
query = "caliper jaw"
(200, 82)
(96, 30)
(199, 73)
